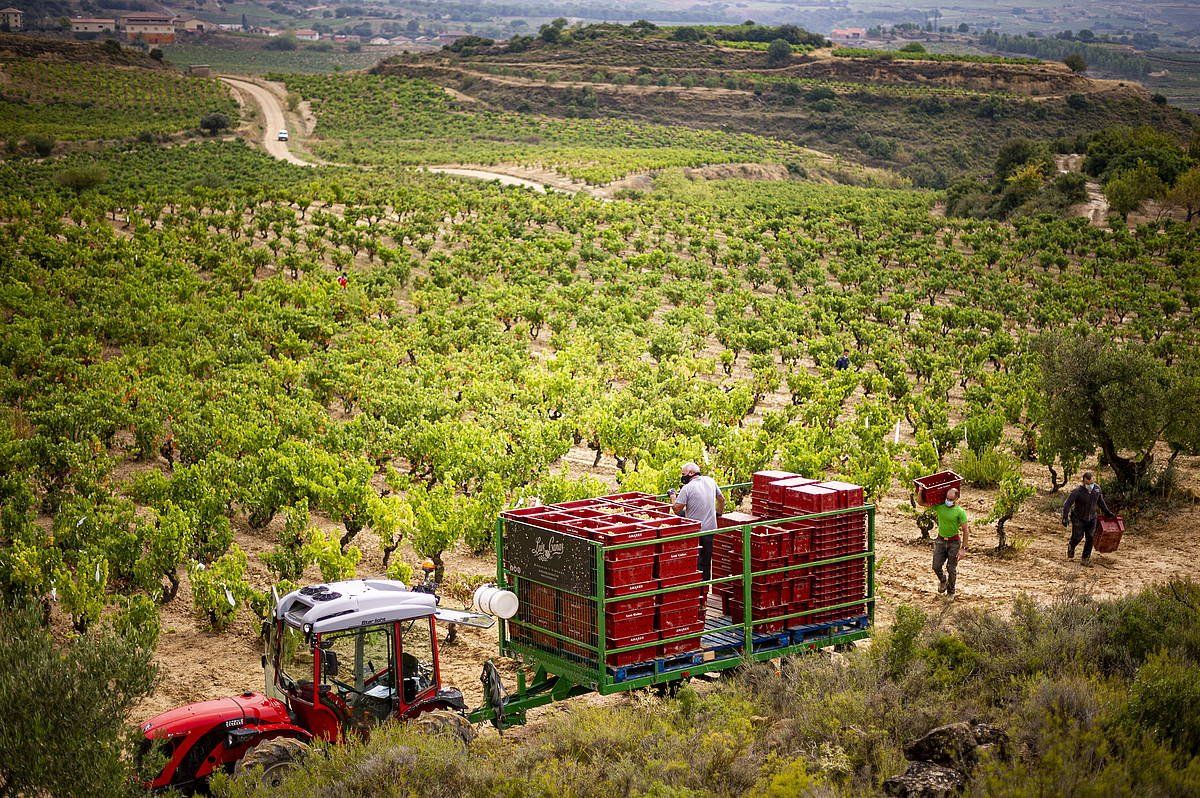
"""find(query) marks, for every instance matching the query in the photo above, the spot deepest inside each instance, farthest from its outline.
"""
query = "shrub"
(214, 123)
(41, 144)
(65, 705)
(985, 470)
(779, 52)
(284, 43)
(80, 178)
(1075, 63)
(1165, 699)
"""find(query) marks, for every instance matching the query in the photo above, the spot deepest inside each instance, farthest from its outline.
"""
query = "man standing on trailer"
(951, 543)
(1080, 511)
(699, 499)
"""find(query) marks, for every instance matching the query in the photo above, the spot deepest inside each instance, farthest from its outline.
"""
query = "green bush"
(985, 470)
(65, 704)
(1165, 700)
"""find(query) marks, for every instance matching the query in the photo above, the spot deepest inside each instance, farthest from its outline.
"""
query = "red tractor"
(340, 659)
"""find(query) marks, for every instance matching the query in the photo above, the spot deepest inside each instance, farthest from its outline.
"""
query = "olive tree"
(1118, 398)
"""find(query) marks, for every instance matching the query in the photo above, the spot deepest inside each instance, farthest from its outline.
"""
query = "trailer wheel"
(441, 721)
(276, 758)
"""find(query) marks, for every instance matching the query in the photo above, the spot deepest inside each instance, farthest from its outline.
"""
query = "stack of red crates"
(778, 495)
(660, 563)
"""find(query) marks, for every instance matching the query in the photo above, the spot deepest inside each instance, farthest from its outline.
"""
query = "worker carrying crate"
(1079, 512)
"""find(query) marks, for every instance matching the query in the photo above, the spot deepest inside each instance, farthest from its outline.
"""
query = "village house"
(848, 34)
(307, 35)
(12, 18)
(147, 27)
(93, 25)
(190, 24)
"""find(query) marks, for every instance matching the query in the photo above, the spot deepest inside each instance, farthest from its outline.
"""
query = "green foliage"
(779, 53)
(45, 100)
(68, 702)
(213, 123)
(1165, 700)
(985, 470)
(902, 638)
(220, 588)
(1115, 397)
(1076, 63)
(334, 564)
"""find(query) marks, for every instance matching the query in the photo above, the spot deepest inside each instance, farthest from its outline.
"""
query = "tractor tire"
(442, 721)
(272, 760)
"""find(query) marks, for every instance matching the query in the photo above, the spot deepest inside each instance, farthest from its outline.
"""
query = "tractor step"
(816, 631)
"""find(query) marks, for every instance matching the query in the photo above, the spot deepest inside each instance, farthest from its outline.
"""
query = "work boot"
(941, 584)
(950, 596)
(1070, 552)
(1086, 562)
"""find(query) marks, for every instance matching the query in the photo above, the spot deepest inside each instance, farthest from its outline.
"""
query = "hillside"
(223, 374)
(927, 120)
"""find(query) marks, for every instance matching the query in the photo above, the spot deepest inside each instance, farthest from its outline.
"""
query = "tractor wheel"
(442, 721)
(276, 757)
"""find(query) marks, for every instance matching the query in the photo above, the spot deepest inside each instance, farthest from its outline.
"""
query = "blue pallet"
(729, 643)
(814, 631)
(678, 662)
(626, 673)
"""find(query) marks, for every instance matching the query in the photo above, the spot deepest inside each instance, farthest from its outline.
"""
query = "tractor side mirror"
(329, 663)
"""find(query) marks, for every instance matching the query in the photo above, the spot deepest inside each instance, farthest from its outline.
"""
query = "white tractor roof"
(353, 603)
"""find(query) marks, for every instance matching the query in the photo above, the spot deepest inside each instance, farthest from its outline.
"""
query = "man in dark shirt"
(843, 362)
(1079, 511)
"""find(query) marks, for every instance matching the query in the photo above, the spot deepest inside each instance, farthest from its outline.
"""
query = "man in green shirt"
(951, 543)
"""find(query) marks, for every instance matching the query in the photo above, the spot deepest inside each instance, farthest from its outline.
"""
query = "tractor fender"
(448, 698)
(201, 737)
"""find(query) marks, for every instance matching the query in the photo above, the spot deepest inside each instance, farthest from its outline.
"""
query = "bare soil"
(198, 664)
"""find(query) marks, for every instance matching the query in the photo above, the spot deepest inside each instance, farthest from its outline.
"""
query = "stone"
(925, 780)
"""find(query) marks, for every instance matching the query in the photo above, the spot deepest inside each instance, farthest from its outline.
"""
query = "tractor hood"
(247, 709)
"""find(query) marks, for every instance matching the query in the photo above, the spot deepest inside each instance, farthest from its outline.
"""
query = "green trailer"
(726, 642)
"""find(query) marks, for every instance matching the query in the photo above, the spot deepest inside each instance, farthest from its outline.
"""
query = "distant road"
(273, 117)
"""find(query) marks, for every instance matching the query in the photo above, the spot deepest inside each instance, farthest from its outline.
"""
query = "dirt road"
(273, 118)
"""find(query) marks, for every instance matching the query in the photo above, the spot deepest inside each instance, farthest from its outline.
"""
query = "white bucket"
(491, 600)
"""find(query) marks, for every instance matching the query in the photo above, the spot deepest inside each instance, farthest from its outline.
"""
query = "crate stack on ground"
(776, 544)
(660, 562)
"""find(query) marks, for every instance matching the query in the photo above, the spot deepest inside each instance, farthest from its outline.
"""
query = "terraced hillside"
(930, 120)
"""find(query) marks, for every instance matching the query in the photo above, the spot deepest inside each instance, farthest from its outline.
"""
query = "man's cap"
(689, 468)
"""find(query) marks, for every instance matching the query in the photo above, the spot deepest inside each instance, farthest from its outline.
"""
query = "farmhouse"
(12, 18)
(147, 27)
(93, 25)
(307, 35)
(848, 34)
(190, 24)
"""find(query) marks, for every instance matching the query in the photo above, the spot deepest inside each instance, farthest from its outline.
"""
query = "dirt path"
(274, 118)
(1095, 209)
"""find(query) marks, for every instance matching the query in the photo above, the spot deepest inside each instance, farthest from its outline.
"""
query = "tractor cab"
(348, 656)
(340, 659)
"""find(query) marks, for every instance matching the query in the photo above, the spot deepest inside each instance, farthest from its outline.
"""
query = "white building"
(93, 25)
(12, 18)
(307, 35)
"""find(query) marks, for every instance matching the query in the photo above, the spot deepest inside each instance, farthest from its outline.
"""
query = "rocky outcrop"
(943, 758)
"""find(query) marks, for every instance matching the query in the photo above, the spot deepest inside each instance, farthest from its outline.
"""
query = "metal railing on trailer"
(557, 678)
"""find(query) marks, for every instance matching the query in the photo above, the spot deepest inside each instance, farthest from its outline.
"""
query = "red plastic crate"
(932, 489)
(775, 490)
(1108, 533)
(679, 647)
(629, 624)
(679, 613)
(648, 503)
(735, 519)
(626, 497)
(683, 564)
(644, 654)
(761, 479)
(611, 591)
(849, 495)
(629, 605)
(579, 504)
(667, 548)
(810, 499)
(628, 572)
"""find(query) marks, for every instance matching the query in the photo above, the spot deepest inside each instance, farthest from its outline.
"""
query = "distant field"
(259, 62)
(1181, 83)
(75, 101)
